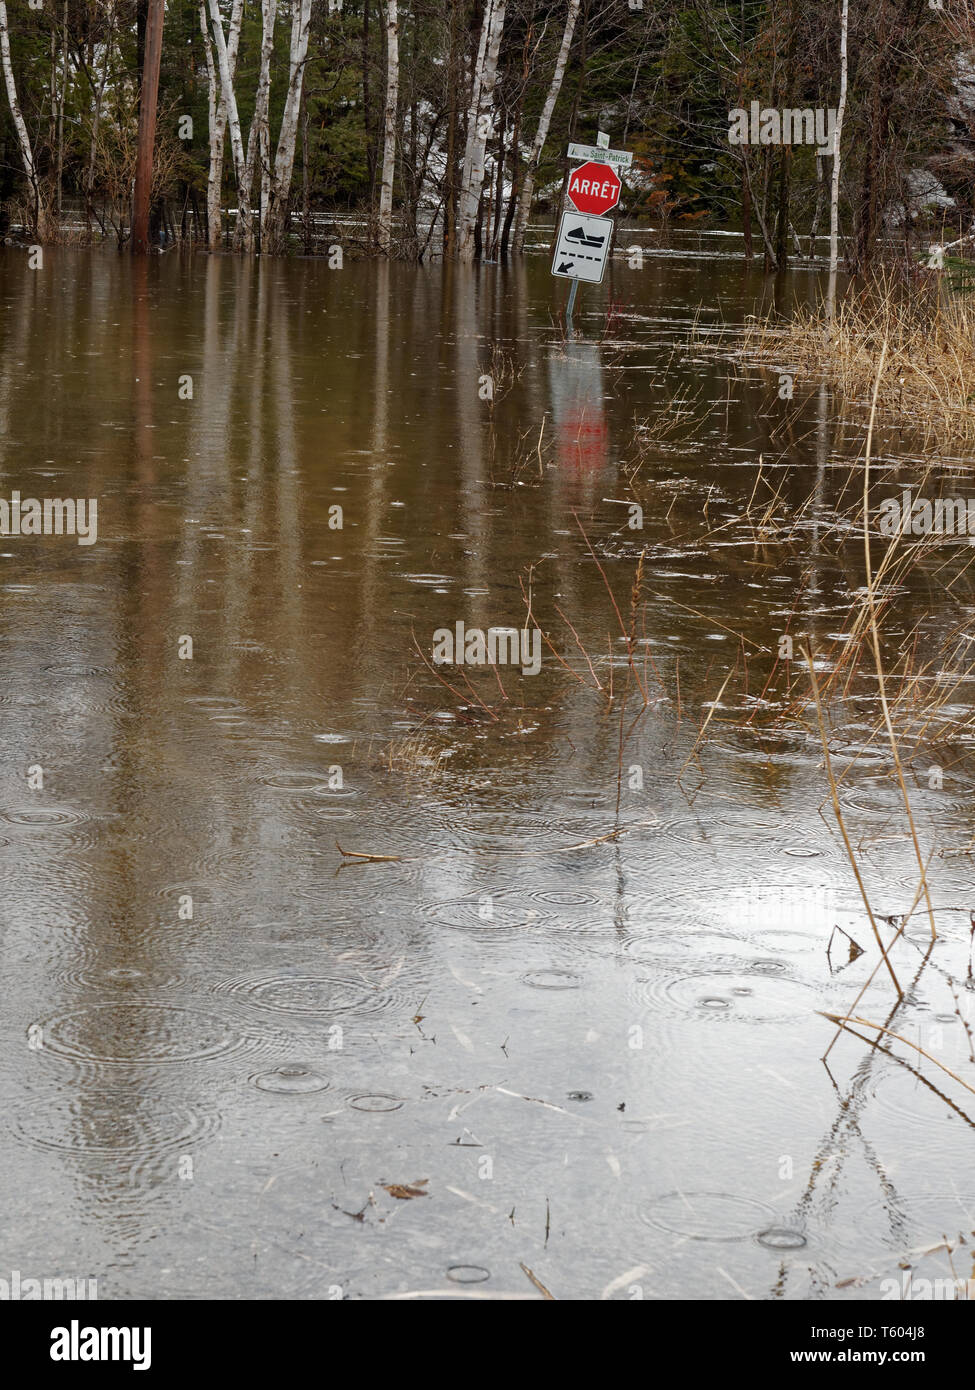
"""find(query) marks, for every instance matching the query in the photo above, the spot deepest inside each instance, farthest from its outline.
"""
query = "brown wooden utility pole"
(147, 127)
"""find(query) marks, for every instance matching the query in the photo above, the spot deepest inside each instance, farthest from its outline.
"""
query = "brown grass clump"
(417, 755)
(930, 336)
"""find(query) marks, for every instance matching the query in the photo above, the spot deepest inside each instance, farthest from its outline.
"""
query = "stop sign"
(594, 188)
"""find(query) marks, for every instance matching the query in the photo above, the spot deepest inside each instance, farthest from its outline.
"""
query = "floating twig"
(368, 858)
(538, 1283)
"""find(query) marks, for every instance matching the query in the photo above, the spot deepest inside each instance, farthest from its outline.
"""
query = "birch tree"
(834, 201)
(215, 106)
(217, 116)
(259, 138)
(224, 47)
(479, 128)
(544, 121)
(385, 222)
(279, 190)
(479, 125)
(39, 212)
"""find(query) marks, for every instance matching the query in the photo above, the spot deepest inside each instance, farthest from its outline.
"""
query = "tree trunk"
(782, 223)
(217, 112)
(305, 185)
(817, 212)
(215, 167)
(39, 229)
(384, 226)
(98, 94)
(758, 206)
(259, 137)
(573, 120)
(61, 97)
(873, 187)
(279, 190)
(746, 215)
(148, 99)
(509, 215)
(544, 121)
(479, 126)
(226, 47)
(834, 201)
(450, 172)
(367, 99)
(494, 238)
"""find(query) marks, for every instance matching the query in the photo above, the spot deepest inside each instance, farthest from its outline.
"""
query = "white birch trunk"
(478, 130)
(218, 117)
(23, 139)
(259, 138)
(834, 200)
(474, 106)
(384, 229)
(280, 182)
(541, 134)
(223, 47)
(215, 165)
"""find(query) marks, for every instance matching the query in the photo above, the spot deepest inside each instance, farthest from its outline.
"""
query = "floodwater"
(598, 1056)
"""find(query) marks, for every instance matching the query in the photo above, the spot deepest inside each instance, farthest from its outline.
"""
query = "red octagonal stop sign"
(594, 188)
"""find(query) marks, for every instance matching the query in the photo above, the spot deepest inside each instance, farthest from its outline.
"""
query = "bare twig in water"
(616, 609)
(459, 693)
(578, 643)
(538, 1283)
(875, 636)
(855, 948)
(368, 858)
(873, 974)
(714, 705)
(840, 821)
(361, 857)
(842, 1021)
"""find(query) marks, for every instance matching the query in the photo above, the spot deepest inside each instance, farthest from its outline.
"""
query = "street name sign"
(620, 159)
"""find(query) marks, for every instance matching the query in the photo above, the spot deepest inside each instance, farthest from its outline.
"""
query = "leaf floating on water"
(405, 1191)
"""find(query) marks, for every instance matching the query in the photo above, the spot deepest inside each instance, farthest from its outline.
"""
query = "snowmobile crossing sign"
(582, 247)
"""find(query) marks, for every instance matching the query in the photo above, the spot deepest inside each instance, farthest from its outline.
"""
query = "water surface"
(597, 1056)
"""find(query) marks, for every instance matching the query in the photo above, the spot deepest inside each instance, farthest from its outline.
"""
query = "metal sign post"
(582, 245)
(571, 305)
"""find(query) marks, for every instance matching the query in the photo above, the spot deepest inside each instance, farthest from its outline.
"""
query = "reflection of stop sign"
(594, 188)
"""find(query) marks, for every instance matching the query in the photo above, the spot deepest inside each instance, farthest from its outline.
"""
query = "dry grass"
(417, 755)
(929, 383)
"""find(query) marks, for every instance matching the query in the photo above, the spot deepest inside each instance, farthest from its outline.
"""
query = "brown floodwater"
(597, 1056)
